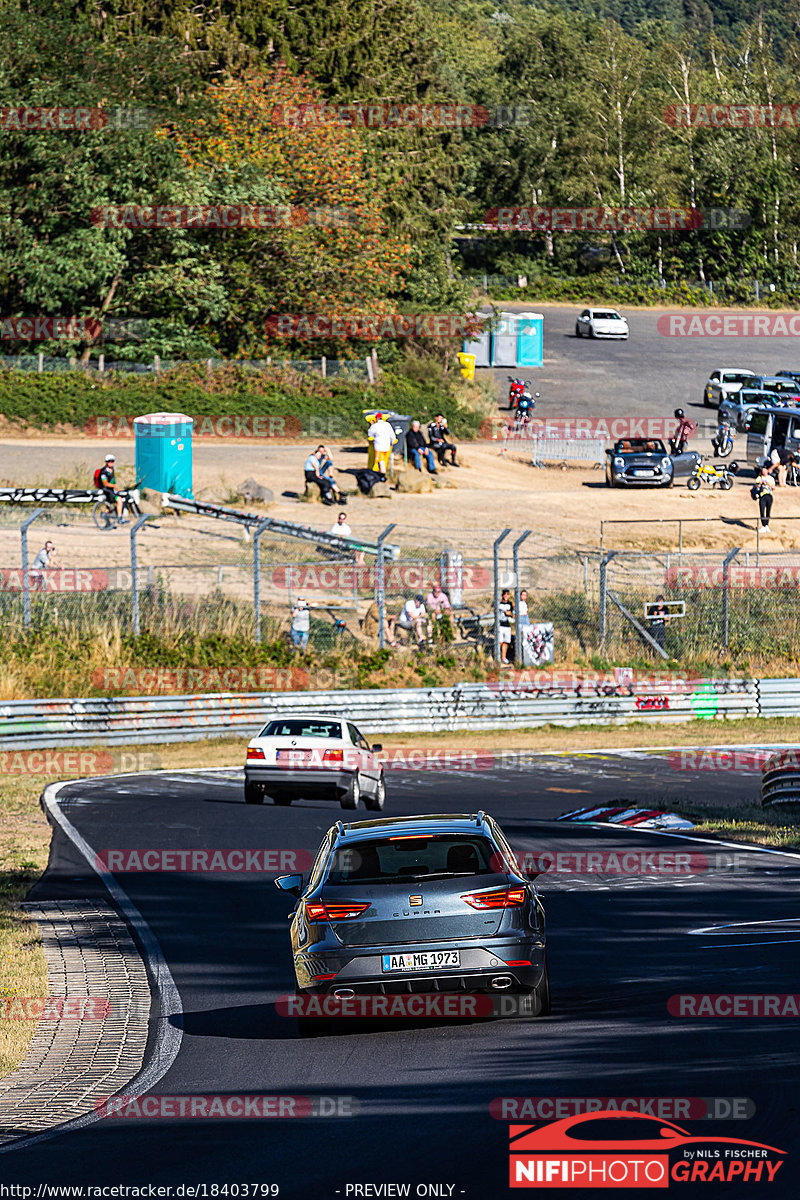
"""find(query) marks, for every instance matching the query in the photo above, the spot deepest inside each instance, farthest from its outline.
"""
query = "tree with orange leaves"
(333, 252)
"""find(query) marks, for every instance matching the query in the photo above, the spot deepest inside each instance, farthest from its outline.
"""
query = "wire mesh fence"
(171, 576)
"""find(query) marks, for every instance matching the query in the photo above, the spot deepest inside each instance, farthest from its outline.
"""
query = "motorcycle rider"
(686, 427)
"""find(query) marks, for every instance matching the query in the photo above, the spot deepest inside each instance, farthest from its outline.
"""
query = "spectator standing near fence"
(301, 624)
(340, 527)
(524, 619)
(383, 437)
(418, 448)
(506, 609)
(658, 616)
(763, 491)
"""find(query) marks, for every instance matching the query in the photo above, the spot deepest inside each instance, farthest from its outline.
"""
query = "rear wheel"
(726, 483)
(353, 794)
(693, 484)
(375, 803)
(541, 993)
(252, 793)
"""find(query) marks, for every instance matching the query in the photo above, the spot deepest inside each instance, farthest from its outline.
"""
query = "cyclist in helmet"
(686, 427)
(105, 478)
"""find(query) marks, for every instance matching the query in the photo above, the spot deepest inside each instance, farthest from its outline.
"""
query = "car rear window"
(406, 858)
(296, 727)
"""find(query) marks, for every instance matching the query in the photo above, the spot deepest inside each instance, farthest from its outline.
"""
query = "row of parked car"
(736, 392)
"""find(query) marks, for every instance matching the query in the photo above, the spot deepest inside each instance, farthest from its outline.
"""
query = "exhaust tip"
(502, 982)
(345, 992)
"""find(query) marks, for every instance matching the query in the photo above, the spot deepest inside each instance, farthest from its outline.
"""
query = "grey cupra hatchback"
(408, 905)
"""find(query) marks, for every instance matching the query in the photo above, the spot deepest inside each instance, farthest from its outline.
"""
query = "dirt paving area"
(564, 505)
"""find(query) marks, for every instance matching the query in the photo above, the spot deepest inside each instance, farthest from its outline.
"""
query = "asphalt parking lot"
(649, 375)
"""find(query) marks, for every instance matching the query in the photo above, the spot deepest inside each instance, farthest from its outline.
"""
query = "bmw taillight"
(507, 898)
(332, 756)
(316, 911)
(255, 752)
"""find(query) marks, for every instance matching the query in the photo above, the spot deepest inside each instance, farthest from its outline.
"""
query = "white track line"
(168, 1035)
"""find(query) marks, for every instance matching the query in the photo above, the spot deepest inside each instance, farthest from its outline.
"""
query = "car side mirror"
(290, 883)
(378, 746)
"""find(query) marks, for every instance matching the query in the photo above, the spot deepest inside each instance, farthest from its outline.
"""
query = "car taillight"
(333, 756)
(255, 752)
(316, 911)
(508, 898)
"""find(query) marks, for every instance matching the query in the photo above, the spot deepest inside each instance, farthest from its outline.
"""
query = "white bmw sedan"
(315, 757)
(601, 322)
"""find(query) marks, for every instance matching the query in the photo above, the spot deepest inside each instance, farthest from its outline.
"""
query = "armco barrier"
(26, 724)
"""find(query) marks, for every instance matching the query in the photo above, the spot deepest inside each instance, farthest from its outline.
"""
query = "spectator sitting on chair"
(781, 459)
(438, 435)
(383, 437)
(313, 473)
(301, 624)
(437, 602)
(417, 446)
(412, 619)
(326, 470)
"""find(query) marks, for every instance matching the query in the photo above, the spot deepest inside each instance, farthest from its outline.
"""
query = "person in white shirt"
(301, 624)
(412, 619)
(383, 437)
(524, 619)
(340, 526)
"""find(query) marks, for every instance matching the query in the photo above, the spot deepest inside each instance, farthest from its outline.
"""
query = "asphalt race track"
(619, 947)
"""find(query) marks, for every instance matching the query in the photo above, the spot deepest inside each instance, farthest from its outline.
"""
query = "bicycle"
(105, 514)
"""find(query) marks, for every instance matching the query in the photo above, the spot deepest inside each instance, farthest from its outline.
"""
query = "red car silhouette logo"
(596, 1131)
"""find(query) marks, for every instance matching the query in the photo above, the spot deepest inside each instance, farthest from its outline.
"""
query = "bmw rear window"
(406, 858)
(295, 727)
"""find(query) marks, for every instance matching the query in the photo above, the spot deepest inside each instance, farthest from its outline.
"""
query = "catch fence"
(182, 574)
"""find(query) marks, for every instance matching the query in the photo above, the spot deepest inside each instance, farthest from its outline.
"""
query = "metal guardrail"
(27, 724)
(780, 780)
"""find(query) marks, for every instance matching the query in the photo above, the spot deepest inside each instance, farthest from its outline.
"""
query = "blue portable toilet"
(164, 453)
(481, 346)
(504, 340)
(530, 339)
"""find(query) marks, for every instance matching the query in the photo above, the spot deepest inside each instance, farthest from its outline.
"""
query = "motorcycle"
(526, 404)
(722, 440)
(717, 476)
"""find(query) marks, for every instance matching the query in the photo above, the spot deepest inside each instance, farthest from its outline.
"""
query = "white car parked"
(724, 383)
(601, 322)
(317, 757)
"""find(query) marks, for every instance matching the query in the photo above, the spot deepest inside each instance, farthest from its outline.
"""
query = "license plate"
(644, 472)
(428, 960)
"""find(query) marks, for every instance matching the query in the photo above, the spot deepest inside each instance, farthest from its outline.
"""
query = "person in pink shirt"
(436, 602)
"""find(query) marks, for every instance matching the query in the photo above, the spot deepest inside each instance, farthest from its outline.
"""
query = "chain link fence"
(170, 575)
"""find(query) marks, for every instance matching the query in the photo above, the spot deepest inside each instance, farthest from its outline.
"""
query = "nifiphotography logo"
(616, 1149)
